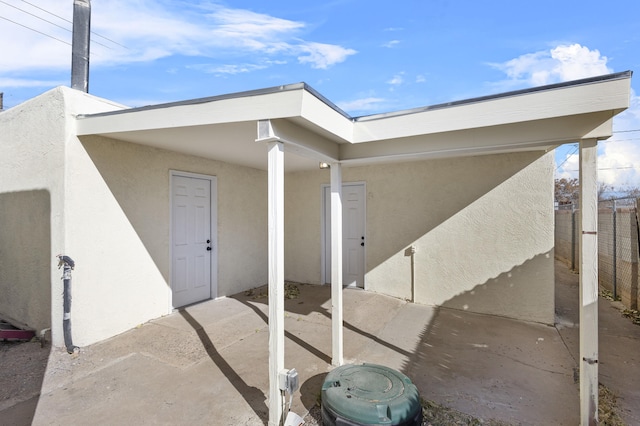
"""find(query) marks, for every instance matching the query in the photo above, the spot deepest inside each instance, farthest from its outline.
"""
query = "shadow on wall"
(526, 285)
(424, 195)
(470, 219)
(25, 297)
(25, 258)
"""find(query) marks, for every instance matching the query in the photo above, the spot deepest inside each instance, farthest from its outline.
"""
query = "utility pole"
(80, 45)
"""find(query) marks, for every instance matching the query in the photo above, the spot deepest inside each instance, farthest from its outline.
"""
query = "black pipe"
(68, 264)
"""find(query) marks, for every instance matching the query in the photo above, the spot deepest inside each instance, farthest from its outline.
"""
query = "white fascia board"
(230, 110)
(540, 134)
(325, 117)
(608, 95)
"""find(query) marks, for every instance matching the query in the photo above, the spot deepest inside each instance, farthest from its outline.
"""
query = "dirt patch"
(23, 367)
(608, 408)
(433, 415)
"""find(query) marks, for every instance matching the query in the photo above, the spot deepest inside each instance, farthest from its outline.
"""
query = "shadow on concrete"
(23, 367)
(310, 390)
(311, 349)
(252, 395)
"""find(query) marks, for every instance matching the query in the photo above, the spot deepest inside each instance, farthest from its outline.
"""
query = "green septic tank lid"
(371, 394)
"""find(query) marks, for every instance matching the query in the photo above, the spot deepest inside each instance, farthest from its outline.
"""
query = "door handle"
(209, 248)
(362, 243)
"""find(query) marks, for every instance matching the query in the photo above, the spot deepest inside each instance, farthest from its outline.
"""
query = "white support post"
(588, 282)
(336, 264)
(276, 277)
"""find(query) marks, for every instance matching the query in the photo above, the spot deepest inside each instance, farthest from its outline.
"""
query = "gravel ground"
(433, 415)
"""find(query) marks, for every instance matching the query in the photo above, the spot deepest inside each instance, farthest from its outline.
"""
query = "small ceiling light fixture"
(325, 165)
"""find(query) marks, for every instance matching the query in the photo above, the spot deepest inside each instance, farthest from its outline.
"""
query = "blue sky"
(365, 56)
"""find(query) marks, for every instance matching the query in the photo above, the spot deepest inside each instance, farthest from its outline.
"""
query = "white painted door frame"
(325, 259)
(213, 227)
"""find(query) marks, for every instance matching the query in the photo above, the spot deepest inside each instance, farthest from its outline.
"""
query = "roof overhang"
(225, 127)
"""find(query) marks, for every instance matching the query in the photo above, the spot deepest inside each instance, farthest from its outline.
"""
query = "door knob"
(208, 241)
(208, 248)
(362, 244)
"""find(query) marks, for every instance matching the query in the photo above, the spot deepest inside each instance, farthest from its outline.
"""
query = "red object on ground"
(9, 332)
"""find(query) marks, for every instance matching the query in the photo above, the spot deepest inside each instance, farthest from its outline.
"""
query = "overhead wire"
(34, 30)
(47, 21)
(54, 24)
(575, 149)
(71, 22)
(34, 15)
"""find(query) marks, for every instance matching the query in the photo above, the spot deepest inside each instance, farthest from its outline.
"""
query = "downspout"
(80, 45)
(67, 265)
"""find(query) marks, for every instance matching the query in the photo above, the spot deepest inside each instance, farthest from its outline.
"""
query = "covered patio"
(293, 128)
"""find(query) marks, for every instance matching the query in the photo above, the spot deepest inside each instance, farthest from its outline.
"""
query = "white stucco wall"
(482, 228)
(105, 203)
(32, 228)
(31, 182)
(119, 207)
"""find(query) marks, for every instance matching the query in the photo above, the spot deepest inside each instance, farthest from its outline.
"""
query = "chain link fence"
(618, 245)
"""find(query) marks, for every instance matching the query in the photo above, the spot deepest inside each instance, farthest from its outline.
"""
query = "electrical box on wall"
(288, 380)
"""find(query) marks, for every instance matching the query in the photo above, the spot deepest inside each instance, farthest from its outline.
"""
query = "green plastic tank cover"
(369, 394)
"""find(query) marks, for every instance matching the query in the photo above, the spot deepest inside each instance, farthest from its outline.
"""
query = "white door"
(192, 247)
(353, 233)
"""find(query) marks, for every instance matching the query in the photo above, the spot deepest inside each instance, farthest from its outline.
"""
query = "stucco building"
(167, 205)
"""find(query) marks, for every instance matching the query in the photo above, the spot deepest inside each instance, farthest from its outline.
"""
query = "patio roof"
(225, 127)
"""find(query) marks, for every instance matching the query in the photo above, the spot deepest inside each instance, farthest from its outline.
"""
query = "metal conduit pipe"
(67, 265)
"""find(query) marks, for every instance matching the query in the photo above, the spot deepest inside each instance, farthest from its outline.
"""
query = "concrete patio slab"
(207, 363)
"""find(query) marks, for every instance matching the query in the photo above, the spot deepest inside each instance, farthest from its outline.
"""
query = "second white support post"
(588, 282)
(276, 277)
(336, 265)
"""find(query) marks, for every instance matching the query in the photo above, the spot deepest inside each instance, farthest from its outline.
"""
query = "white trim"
(214, 231)
(323, 230)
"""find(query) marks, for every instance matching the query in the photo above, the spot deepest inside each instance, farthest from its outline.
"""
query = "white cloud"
(322, 56)
(391, 44)
(230, 69)
(421, 78)
(619, 157)
(147, 30)
(21, 82)
(619, 163)
(367, 104)
(397, 79)
(562, 63)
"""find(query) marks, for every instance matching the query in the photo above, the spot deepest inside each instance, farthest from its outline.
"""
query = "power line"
(65, 19)
(34, 30)
(49, 22)
(46, 11)
(611, 168)
(626, 131)
(35, 16)
(45, 34)
(568, 156)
